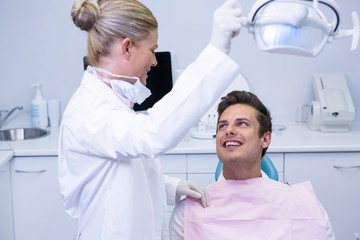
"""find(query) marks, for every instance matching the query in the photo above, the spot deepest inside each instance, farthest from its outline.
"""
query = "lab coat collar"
(99, 88)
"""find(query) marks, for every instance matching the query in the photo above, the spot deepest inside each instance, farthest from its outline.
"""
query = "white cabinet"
(6, 209)
(173, 165)
(336, 180)
(38, 209)
(201, 168)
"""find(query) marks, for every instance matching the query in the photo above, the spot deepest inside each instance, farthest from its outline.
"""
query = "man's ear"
(126, 45)
(266, 140)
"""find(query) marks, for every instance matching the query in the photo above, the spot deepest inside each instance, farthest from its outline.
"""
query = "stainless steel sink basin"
(15, 134)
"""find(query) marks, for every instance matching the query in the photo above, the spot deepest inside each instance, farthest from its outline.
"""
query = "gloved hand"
(226, 25)
(190, 189)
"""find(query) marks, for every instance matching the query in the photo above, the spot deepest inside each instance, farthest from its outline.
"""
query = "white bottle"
(39, 111)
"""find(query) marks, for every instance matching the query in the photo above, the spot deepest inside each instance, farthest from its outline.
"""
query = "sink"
(15, 134)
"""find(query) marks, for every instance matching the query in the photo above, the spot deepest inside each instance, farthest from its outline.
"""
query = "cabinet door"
(336, 180)
(173, 165)
(201, 168)
(38, 208)
(6, 208)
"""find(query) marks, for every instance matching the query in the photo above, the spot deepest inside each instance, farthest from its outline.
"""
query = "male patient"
(243, 204)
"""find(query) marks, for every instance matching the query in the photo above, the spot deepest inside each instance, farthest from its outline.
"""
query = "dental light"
(299, 27)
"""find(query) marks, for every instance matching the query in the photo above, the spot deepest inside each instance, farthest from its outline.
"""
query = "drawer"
(173, 163)
(202, 163)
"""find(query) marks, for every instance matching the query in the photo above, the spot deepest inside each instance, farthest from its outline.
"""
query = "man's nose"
(230, 130)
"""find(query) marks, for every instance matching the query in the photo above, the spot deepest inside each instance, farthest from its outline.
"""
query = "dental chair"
(267, 166)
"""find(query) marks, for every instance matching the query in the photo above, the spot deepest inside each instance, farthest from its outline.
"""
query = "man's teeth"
(232, 144)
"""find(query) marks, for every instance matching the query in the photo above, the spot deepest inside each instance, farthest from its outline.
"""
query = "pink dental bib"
(255, 209)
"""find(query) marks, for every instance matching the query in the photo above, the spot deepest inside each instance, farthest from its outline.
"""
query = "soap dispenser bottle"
(39, 111)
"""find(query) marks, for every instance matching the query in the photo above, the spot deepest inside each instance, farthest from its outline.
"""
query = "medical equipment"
(298, 27)
(266, 165)
(334, 109)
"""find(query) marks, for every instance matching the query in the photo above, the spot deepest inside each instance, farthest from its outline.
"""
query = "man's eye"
(221, 126)
(243, 124)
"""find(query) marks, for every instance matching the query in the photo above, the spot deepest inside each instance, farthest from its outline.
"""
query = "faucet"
(2, 121)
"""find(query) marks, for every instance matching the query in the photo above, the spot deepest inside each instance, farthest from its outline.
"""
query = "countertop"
(295, 138)
(5, 156)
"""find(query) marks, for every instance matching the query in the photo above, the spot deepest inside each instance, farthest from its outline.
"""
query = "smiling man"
(243, 135)
(244, 204)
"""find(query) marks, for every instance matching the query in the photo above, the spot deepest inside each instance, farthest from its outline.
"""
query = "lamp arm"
(354, 32)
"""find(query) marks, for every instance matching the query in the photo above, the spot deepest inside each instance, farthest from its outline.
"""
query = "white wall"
(39, 43)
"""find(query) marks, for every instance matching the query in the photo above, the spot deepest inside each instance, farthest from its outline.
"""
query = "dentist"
(109, 170)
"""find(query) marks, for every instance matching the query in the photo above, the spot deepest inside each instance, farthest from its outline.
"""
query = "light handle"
(355, 31)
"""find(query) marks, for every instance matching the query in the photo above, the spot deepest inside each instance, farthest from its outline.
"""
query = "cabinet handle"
(339, 167)
(27, 171)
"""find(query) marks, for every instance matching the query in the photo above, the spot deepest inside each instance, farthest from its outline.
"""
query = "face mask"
(136, 93)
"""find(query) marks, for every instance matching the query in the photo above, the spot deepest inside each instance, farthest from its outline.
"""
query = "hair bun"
(84, 13)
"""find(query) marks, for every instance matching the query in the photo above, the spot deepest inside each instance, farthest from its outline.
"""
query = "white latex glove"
(226, 25)
(190, 189)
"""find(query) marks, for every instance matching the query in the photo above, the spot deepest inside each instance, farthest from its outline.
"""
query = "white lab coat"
(109, 171)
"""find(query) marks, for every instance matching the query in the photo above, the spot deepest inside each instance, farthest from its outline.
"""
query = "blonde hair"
(108, 20)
